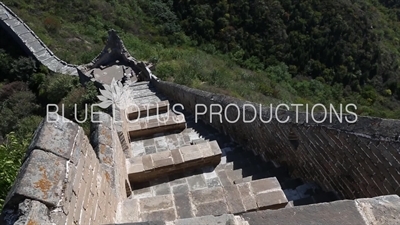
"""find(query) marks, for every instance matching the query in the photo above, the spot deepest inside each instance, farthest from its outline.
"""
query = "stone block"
(156, 203)
(215, 147)
(233, 199)
(179, 189)
(196, 182)
(39, 179)
(55, 134)
(212, 208)
(161, 159)
(273, 199)
(248, 200)
(207, 195)
(183, 205)
(58, 217)
(381, 209)
(77, 176)
(79, 144)
(129, 211)
(135, 168)
(160, 215)
(176, 156)
(162, 189)
(102, 135)
(147, 162)
(190, 153)
(27, 212)
(207, 152)
(226, 219)
(262, 185)
(213, 182)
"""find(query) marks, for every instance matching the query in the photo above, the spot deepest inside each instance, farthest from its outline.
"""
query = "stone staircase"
(182, 172)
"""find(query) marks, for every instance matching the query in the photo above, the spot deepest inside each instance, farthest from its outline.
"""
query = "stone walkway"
(237, 182)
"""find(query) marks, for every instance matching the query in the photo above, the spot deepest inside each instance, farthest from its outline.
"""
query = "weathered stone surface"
(105, 154)
(226, 219)
(29, 212)
(160, 215)
(190, 153)
(183, 205)
(383, 210)
(262, 185)
(339, 212)
(179, 189)
(247, 198)
(211, 208)
(196, 182)
(147, 162)
(233, 199)
(129, 211)
(177, 157)
(102, 135)
(207, 195)
(161, 159)
(55, 134)
(41, 177)
(162, 189)
(273, 199)
(156, 203)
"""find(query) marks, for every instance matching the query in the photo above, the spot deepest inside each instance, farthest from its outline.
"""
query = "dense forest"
(290, 51)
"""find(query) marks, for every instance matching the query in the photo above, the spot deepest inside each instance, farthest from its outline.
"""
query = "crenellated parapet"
(64, 180)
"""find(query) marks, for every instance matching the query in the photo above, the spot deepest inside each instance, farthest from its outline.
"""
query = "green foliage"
(57, 87)
(11, 155)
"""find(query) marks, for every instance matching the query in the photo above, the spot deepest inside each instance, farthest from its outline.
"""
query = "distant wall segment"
(31, 43)
(357, 160)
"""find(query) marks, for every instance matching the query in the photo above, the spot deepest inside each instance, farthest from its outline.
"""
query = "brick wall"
(62, 179)
(357, 160)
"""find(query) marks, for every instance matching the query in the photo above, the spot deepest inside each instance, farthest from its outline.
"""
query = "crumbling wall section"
(358, 160)
(61, 180)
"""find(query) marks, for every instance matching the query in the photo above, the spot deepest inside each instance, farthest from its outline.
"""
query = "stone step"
(216, 201)
(199, 141)
(152, 108)
(140, 84)
(147, 92)
(147, 127)
(145, 100)
(280, 173)
(151, 166)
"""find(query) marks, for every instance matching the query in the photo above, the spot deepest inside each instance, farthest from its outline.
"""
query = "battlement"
(63, 178)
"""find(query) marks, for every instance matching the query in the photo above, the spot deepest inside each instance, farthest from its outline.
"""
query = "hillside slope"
(337, 51)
